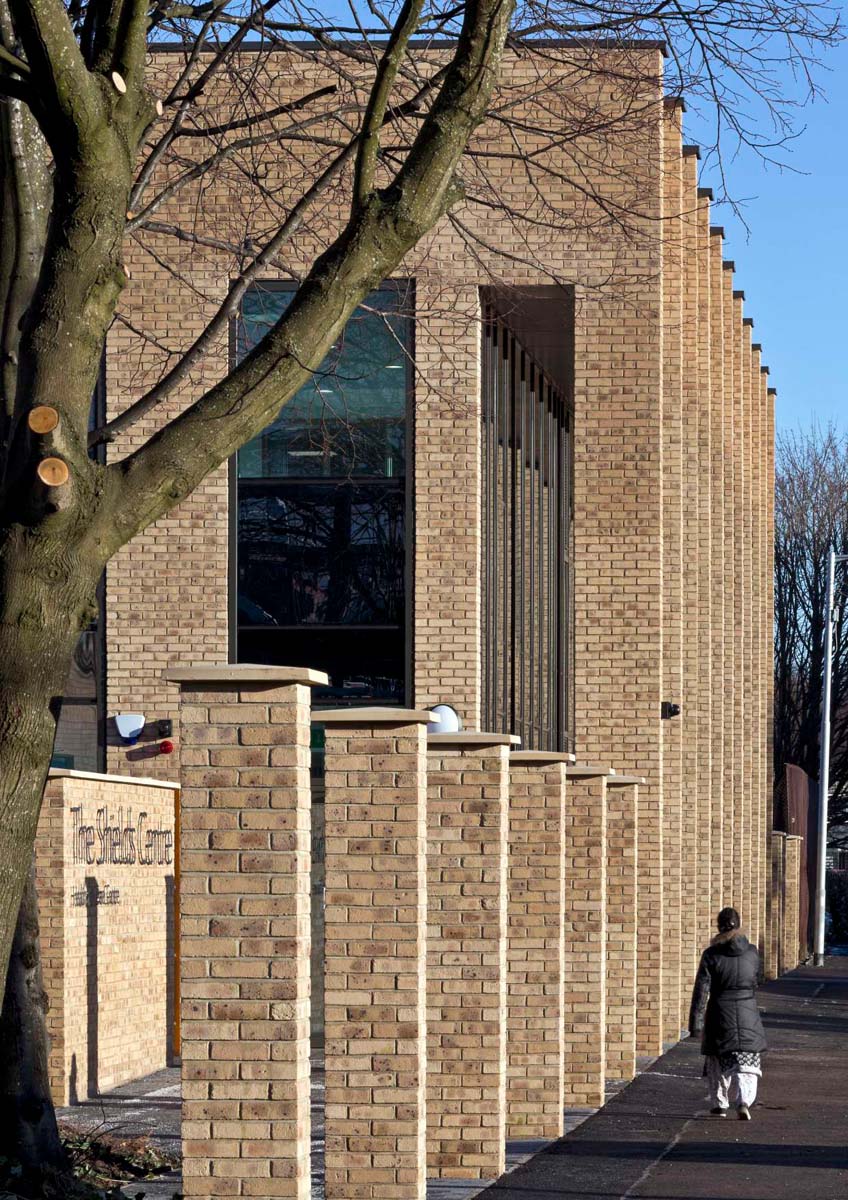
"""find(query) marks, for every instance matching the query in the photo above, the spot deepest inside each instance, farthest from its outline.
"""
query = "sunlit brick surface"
(467, 790)
(244, 938)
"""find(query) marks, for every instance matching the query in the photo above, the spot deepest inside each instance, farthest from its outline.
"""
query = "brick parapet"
(467, 848)
(104, 858)
(50, 860)
(790, 939)
(585, 939)
(375, 955)
(622, 801)
(774, 907)
(535, 950)
(245, 935)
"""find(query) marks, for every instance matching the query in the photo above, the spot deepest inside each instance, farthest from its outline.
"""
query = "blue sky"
(792, 262)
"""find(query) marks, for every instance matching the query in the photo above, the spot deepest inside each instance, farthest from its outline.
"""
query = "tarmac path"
(657, 1141)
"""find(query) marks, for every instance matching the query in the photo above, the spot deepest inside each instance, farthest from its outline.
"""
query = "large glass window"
(322, 508)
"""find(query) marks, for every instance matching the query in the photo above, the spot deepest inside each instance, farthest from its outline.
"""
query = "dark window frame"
(402, 286)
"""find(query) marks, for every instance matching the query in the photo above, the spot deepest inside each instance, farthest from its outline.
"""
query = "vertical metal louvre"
(527, 533)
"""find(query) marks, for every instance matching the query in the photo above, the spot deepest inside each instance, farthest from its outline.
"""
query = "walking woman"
(724, 1011)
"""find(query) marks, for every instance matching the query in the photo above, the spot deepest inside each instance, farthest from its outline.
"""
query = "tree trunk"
(47, 589)
(28, 1131)
(47, 597)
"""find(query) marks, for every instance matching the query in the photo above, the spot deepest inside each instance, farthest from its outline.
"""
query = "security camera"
(669, 710)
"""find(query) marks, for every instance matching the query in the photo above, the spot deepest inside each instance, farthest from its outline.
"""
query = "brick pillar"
(771, 966)
(467, 795)
(535, 945)
(375, 953)
(621, 862)
(585, 935)
(244, 929)
(791, 937)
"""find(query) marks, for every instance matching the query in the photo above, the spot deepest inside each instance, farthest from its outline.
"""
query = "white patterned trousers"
(729, 1084)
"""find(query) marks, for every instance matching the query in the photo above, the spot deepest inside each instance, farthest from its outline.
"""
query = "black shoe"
(718, 1112)
(743, 1112)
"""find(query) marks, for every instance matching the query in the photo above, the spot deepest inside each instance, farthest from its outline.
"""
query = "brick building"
(535, 483)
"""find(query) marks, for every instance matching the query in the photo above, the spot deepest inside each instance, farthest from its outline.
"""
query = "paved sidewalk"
(656, 1140)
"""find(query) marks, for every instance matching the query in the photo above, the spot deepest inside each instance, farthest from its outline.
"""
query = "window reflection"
(321, 517)
(322, 556)
(349, 419)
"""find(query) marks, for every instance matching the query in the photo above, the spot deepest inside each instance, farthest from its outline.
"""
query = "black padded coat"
(724, 1001)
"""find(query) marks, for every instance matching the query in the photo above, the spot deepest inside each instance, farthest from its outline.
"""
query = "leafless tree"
(811, 518)
(104, 146)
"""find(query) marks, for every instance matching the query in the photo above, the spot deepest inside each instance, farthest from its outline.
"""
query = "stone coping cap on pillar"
(469, 738)
(625, 780)
(540, 758)
(587, 771)
(373, 716)
(100, 777)
(245, 673)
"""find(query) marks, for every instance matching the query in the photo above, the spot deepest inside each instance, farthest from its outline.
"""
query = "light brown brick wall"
(659, 475)
(769, 597)
(732, 734)
(674, 954)
(447, 626)
(690, 718)
(585, 939)
(748, 859)
(622, 933)
(774, 908)
(705, 569)
(717, 572)
(467, 822)
(168, 594)
(790, 938)
(375, 948)
(105, 875)
(535, 948)
(618, 549)
(741, 783)
(757, 778)
(765, 648)
(245, 936)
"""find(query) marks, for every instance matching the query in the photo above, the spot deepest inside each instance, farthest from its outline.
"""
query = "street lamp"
(824, 761)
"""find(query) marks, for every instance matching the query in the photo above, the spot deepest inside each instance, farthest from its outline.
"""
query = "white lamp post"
(824, 761)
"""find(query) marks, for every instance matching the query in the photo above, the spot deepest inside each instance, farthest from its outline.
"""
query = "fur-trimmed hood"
(721, 939)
